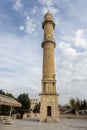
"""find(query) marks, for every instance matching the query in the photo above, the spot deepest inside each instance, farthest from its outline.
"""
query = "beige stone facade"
(49, 111)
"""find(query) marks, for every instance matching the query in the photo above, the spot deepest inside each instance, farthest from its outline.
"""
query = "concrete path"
(33, 124)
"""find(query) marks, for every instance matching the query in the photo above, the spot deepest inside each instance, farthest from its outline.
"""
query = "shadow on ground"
(35, 119)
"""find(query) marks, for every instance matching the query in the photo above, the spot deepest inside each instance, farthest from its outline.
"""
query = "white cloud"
(51, 9)
(34, 10)
(21, 28)
(46, 2)
(18, 5)
(67, 50)
(71, 65)
(20, 70)
(72, 76)
(48, 5)
(30, 26)
(81, 39)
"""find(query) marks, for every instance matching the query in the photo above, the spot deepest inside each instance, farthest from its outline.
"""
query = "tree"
(7, 94)
(10, 95)
(2, 92)
(37, 108)
(73, 105)
(78, 104)
(84, 104)
(25, 101)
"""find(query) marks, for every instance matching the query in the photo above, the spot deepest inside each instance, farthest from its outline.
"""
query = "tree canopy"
(25, 101)
(37, 108)
(77, 104)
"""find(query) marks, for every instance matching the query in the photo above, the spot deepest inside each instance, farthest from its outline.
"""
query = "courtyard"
(34, 124)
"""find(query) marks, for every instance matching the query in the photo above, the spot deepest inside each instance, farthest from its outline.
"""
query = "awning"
(5, 100)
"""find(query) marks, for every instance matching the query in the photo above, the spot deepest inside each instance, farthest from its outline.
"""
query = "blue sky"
(21, 35)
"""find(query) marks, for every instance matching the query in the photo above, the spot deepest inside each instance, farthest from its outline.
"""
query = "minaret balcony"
(48, 21)
(47, 41)
(48, 93)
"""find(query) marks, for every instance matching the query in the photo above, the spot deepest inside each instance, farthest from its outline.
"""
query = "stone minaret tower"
(49, 111)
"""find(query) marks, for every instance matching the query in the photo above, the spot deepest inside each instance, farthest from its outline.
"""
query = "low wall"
(73, 116)
(68, 116)
(26, 115)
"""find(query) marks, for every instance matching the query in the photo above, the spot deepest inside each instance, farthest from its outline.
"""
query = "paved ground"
(32, 124)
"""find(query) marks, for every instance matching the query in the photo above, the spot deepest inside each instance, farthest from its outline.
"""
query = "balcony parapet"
(48, 21)
(46, 41)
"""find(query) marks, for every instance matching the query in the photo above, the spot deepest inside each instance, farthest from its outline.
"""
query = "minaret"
(49, 111)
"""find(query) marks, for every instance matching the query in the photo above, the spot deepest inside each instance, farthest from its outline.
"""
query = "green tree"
(37, 108)
(81, 107)
(4, 110)
(25, 101)
(73, 105)
(84, 104)
(2, 92)
(7, 94)
(78, 104)
(10, 95)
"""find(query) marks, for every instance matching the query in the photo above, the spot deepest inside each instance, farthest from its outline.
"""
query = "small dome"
(48, 16)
